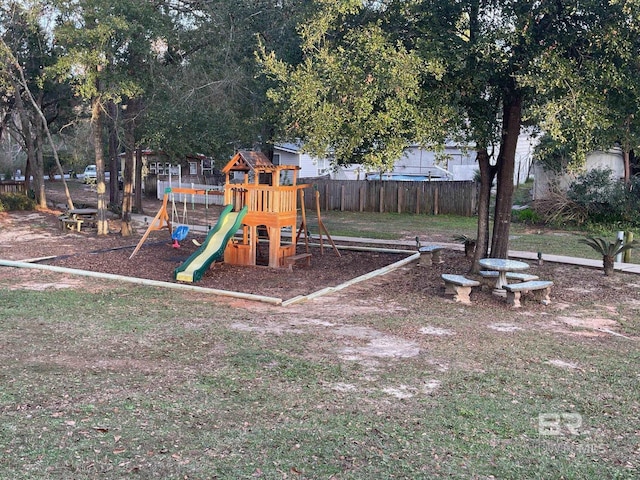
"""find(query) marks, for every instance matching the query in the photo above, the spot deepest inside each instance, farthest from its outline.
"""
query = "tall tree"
(489, 61)
(27, 52)
(356, 94)
(207, 96)
(102, 46)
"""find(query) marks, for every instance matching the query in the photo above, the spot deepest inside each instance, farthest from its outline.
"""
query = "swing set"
(162, 220)
(181, 231)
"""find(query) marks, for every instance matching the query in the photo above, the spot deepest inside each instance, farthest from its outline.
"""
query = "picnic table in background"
(75, 217)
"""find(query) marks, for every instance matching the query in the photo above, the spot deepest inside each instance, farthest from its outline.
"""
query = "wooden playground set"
(263, 203)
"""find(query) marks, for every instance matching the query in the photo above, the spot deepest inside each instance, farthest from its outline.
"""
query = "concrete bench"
(290, 261)
(459, 286)
(539, 288)
(429, 255)
(489, 277)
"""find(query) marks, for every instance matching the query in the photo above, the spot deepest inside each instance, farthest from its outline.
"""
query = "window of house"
(157, 168)
(193, 168)
(276, 159)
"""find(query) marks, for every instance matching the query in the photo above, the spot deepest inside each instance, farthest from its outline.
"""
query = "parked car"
(90, 174)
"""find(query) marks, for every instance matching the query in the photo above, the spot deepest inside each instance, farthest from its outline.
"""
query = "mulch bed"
(157, 259)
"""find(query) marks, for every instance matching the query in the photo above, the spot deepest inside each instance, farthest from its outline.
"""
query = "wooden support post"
(322, 228)
(252, 240)
(435, 201)
(342, 198)
(327, 197)
(274, 246)
(381, 199)
(319, 216)
(627, 254)
(399, 199)
(160, 221)
(362, 199)
(303, 224)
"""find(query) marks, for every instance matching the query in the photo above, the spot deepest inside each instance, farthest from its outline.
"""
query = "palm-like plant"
(469, 244)
(608, 250)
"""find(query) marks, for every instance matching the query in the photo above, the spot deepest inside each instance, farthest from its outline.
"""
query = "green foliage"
(595, 200)
(356, 94)
(607, 248)
(463, 239)
(16, 202)
(553, 155)
(527, 216)
(468, 242)
(606, 200)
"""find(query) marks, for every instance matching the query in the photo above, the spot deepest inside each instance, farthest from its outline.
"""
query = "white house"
(454, 162)
(545, 181)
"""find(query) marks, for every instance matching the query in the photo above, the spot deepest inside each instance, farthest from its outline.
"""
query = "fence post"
(342, 198)
(381, 199)
(628, 238)
(435, 200)
(326, 197)
(399, 199)
(362, 199)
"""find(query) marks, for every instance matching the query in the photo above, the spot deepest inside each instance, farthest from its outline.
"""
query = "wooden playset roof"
(248, 160)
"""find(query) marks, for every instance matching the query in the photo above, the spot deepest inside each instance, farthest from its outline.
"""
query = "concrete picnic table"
(502, 266)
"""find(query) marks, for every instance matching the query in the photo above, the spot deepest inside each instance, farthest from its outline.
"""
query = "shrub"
(526, 216)
(606, 200)
(596, 198)
(16, 201)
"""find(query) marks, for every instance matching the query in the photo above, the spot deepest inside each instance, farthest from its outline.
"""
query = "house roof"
(288, 147)
(247, 160)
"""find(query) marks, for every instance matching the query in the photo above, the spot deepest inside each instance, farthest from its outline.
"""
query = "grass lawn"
(394, 226)
(101, 380)
(143, 383)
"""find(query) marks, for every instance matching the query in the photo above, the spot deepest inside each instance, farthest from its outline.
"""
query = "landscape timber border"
(33, 264)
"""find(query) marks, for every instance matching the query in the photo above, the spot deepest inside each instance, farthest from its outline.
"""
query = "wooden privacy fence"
(11, 186)
(436, 198)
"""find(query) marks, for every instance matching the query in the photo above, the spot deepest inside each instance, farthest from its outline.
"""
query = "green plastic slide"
(213, 247)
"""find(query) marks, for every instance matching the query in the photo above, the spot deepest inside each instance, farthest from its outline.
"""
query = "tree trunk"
(487, 174)
(138, 182)
(127, 189)
(25, 127)
(607, 262)
(38, 111)
(38, 178)
(512, 115)
(114, 164)
(627, 166)
(101, 188)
